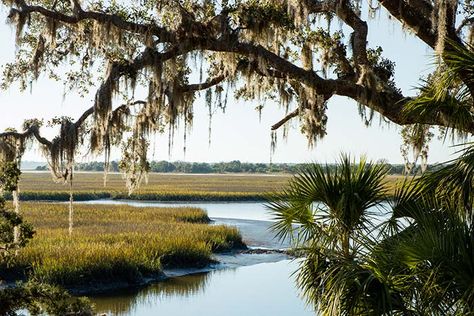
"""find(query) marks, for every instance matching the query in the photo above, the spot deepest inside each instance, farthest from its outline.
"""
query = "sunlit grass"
(177, 183)
(163, 187)
(111, 243)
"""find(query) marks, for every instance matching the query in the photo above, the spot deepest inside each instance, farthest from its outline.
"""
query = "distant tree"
(162, 166)
(197, 167)
(233, 166)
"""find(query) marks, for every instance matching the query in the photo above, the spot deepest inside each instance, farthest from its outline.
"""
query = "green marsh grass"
(117, 243)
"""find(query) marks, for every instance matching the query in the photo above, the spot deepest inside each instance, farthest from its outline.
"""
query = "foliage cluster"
(41, 299)
(9, 176)
(10, 220)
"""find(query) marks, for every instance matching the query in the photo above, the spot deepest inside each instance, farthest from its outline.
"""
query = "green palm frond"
(454, 183)
(444, 95)
(327, 211)
(323, 197)
(438, 100)
(406, 193)
(439, 253)
(460, 59)
(423, 264)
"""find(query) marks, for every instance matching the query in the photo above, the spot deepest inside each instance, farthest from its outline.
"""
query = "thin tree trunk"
(71, 208)
(16, 206)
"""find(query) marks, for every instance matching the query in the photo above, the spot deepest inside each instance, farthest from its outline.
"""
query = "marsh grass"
(38, 186)
(163, 187)
(174, 183)
(117, 243)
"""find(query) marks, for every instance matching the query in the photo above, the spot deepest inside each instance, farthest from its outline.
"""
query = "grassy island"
(116, 243)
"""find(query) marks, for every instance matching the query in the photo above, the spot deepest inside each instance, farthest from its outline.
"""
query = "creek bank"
(258, 247)
(63, 196)
(224, 260)
(255, 233)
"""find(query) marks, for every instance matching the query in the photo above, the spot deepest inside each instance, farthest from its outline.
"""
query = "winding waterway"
(248, 284)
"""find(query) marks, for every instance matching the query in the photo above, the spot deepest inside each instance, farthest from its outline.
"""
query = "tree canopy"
(147, 60)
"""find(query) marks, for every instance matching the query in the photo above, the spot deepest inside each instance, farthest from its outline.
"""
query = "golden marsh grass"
(111, 243)
(169, 187)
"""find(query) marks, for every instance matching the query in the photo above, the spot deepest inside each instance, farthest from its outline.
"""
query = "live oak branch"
(259, 50)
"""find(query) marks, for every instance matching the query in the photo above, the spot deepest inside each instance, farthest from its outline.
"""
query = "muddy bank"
(261, 247)
(232, 259)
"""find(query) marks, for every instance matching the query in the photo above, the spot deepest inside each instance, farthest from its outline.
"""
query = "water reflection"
(126, 302)
(262, 289)
(235, 210)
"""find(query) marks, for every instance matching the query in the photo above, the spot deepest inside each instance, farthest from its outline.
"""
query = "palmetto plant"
(437, 248)
(417, 261)
(335, 202)
(431, 256)
(328, 214)
(446, 94)
(454, 183)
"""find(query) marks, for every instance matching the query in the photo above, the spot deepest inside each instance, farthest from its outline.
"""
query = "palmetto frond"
(437, 252)
(454, 183)
(443, 95)
(336, 199)
(327, 210)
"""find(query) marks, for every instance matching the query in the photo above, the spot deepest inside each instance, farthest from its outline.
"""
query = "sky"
(239, 134)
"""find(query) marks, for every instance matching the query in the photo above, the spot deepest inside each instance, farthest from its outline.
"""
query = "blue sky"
(238, 134)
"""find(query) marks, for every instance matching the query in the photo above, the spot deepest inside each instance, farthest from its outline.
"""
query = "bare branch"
(414, 14)
(288, 117)
(202, 86)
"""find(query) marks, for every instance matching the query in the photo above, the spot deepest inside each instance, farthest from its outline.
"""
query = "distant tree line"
(234, 166)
